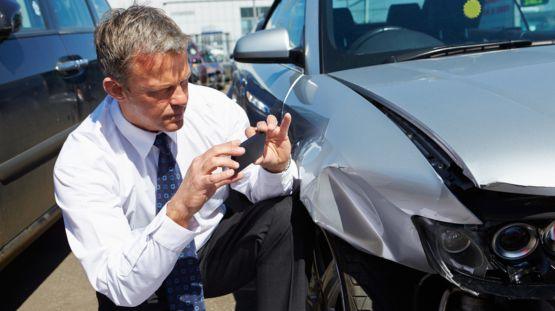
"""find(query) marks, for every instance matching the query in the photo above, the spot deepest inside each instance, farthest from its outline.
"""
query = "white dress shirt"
(105, 184)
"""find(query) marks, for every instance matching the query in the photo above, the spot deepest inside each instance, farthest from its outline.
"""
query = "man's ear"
(114, 89)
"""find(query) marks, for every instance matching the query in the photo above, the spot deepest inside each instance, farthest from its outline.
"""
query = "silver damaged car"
(425, 138)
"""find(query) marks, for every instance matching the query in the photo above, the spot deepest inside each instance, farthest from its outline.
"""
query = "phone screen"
(254, 147)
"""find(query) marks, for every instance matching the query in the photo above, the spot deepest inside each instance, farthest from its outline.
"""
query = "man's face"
(157, 91)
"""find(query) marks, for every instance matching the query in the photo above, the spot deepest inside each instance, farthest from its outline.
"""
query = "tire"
(356, 281)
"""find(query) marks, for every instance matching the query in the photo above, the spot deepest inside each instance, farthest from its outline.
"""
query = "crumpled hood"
(493, 112)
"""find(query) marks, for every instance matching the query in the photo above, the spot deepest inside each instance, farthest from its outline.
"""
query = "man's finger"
(221, 161)
(229, 180)
(272, 122)
(214, 179)
(250, 131)
(230, 148)
(284, 127)
(261, 126)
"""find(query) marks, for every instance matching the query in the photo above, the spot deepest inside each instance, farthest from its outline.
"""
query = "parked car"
(225, 62)
(214, 69)
(198, 70)
(206, 70)
(423, 132)
(49, 81)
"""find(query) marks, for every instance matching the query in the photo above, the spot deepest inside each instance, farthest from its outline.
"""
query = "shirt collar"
(140, 139)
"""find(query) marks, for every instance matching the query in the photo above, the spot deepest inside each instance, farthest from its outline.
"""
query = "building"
(215, 23)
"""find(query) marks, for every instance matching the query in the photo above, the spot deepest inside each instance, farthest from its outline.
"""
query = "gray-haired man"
(143, 188)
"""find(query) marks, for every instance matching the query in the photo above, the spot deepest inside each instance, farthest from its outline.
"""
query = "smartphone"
(254, 147)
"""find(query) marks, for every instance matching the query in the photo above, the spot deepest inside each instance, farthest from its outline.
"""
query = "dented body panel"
(488, 111)
(361, 178)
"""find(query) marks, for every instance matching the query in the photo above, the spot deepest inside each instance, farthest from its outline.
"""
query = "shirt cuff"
(284, 180)
(172, 235)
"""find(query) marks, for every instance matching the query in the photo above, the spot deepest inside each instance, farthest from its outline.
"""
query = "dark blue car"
(49, 81)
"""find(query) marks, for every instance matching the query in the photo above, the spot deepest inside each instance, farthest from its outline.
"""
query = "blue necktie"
(183, 284)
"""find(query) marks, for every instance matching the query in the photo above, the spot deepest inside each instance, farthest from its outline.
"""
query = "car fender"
(361, 177)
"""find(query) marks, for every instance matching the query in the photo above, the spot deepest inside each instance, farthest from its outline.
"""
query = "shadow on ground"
(28, 271)
(23, 276)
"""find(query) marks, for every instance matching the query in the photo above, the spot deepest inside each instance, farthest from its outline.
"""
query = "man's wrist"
(279, 169)
(178, 214)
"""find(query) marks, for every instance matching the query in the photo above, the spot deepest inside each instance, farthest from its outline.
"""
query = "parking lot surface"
(47, 276)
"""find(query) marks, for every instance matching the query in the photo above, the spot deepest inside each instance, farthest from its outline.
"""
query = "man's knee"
(281, 210)
(278, 212)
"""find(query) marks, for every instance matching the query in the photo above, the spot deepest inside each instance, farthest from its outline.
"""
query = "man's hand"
(200, 183)
(277, 148)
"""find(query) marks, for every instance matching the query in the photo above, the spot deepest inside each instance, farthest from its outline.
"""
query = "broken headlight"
(515, 260)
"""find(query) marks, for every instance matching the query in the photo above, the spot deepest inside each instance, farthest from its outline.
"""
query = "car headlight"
(495, 258)
(548, 238)
(515, 241)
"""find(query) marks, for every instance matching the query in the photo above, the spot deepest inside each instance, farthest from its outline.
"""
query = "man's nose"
(179, 96)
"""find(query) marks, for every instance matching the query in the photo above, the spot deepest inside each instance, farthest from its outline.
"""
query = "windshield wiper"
(461, 49)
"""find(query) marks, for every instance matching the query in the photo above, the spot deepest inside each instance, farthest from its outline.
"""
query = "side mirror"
(10, 18)
(267, 46)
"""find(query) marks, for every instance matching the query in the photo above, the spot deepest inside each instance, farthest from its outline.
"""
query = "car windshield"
(370, 32)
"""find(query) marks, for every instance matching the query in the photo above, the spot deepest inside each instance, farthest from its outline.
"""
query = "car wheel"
(347, 279)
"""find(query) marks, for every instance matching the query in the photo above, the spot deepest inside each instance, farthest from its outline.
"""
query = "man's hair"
(124, 33)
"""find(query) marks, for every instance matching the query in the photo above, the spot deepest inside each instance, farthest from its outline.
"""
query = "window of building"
(249, 19)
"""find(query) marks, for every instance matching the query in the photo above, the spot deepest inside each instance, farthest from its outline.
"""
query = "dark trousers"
(267, 242)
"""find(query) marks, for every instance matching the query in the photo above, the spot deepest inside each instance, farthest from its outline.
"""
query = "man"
(143, 183)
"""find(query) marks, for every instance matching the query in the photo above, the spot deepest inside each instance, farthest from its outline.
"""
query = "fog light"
(548, 238)
(515, 241)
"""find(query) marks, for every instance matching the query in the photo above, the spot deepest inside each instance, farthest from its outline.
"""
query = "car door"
(75, 20)
(37, 109)
(261, 89)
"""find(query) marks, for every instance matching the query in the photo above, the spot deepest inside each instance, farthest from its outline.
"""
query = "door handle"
(70, 66)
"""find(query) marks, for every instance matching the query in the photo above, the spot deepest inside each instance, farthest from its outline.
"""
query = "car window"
(99, 7)
(31, 15)
(371, 32)
(71, 14)
(363, 12)
(289, 14)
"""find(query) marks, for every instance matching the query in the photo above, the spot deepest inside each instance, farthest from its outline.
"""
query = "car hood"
(493, 112)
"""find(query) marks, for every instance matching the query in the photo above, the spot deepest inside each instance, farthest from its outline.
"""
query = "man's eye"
(166, 91)
(161, 93)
